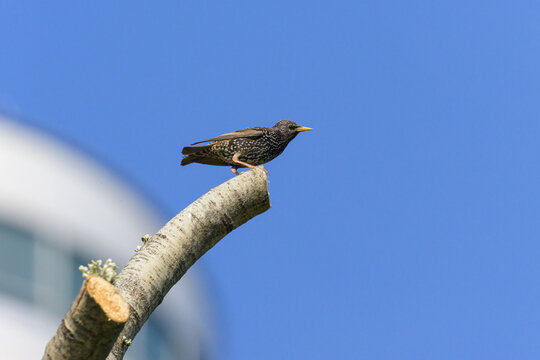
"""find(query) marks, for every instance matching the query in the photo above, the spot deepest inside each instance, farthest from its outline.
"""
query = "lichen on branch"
(107, 271)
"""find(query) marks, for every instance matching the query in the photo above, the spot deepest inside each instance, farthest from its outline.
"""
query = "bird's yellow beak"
(303, 128)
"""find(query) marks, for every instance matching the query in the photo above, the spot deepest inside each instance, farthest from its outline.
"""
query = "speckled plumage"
(244, 148)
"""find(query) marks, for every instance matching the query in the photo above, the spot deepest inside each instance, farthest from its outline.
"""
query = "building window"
(16, 261)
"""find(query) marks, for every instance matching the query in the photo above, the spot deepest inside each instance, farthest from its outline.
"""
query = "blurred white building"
(58, 210)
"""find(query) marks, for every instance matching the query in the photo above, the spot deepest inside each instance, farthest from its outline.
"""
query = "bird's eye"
(292, 127)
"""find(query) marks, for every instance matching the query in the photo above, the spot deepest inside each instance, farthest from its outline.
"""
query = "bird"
(244, 148)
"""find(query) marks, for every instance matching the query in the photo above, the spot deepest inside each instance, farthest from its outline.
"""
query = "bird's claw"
(266, 171)
(235, 170)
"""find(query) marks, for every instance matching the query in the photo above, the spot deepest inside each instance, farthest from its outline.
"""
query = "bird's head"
(289, 129)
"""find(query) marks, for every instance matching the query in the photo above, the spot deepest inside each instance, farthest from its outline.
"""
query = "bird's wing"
(252, 132)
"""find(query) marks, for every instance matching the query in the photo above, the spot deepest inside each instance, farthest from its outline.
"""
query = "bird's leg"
(236, 160)
(235, 170)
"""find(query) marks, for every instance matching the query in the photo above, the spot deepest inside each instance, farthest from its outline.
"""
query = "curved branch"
(170, 252)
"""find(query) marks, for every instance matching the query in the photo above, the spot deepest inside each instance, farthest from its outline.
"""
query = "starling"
(244, 148)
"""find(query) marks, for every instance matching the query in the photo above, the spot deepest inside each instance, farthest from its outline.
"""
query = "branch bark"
(90, 327)
(170, 252)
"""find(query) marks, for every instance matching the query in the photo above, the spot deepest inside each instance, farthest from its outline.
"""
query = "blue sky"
(405, 227)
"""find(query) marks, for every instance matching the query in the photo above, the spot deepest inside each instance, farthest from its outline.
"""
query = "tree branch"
(170, 252)
(90, 327)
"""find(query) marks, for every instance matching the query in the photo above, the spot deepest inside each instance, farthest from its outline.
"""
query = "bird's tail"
(193, 153)
(188, 150)
(187, 160)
